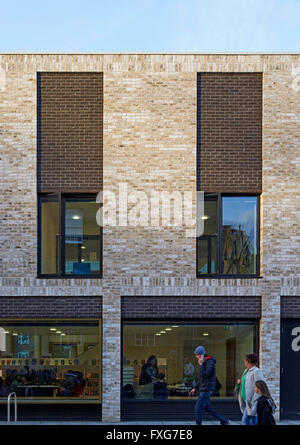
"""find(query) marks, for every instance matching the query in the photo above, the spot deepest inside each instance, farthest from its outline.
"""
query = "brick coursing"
(41, 308)
(70, 132)
(290, 307)
(229, 132)
(191, 307)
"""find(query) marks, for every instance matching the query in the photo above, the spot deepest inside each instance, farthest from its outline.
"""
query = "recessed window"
(69, 236)
(229, 243)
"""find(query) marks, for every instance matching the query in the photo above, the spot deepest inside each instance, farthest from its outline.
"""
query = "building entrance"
(290, 369)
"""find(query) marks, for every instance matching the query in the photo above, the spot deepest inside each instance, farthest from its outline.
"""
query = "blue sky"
(150, 25)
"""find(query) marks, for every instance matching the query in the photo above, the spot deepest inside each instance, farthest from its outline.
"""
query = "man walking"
(206, 385)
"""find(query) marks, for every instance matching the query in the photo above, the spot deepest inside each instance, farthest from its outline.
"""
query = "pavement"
(45, 422)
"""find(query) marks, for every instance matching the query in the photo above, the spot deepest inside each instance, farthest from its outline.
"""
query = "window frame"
(62, 197)
(220, 267)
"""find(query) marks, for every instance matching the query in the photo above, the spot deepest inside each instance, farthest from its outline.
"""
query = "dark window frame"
(218, 197)
(61, 199)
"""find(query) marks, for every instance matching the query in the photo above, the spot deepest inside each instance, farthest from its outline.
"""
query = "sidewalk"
(45, 422)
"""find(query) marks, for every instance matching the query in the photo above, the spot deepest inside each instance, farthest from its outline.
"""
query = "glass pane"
(239, 235)
(82, 237)
(159, 360)
(51, 360)
(207, 243)
(49, 235)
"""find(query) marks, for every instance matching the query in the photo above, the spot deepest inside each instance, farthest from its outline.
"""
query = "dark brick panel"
(290, 307)
(50, 307)
(191, 307)
(70, 132)
(229, 132)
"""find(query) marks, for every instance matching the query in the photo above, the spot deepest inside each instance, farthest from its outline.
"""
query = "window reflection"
(229, 244)
(49, 235)
(239, 235)
(82, 237)
(208, 243)
(166, 369)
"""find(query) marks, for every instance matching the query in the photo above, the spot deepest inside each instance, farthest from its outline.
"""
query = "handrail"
(8, 406)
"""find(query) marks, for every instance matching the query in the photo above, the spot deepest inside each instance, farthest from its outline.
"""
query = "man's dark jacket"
(207, 375)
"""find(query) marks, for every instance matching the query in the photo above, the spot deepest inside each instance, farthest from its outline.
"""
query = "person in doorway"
(206, 385)
(245, 389)
(265, 406)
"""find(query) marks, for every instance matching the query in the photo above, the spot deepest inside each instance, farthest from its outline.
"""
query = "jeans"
(248, 420)
(203, 404)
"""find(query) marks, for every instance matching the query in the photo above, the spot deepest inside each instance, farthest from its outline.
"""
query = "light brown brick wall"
(150, 142)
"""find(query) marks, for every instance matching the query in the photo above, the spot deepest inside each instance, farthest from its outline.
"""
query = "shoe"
(226, 423)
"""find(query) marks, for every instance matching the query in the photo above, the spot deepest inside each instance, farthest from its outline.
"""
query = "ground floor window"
(159, 361)
(57, 360)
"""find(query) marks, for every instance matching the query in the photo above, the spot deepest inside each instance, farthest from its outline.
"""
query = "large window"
(51, 360)
(159, 361)
(69, 236)
(229, 245)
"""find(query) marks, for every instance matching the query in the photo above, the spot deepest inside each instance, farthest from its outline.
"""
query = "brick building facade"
(84, 123)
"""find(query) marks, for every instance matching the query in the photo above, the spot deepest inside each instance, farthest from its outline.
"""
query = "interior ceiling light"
(168, 329)
(205, 334)
(75, 217)
(204, 217)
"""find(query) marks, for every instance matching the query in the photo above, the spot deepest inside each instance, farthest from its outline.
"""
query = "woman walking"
(265, 405)
(245, 388)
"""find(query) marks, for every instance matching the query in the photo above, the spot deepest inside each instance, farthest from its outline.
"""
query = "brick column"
(270, 339)
(111, 351)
